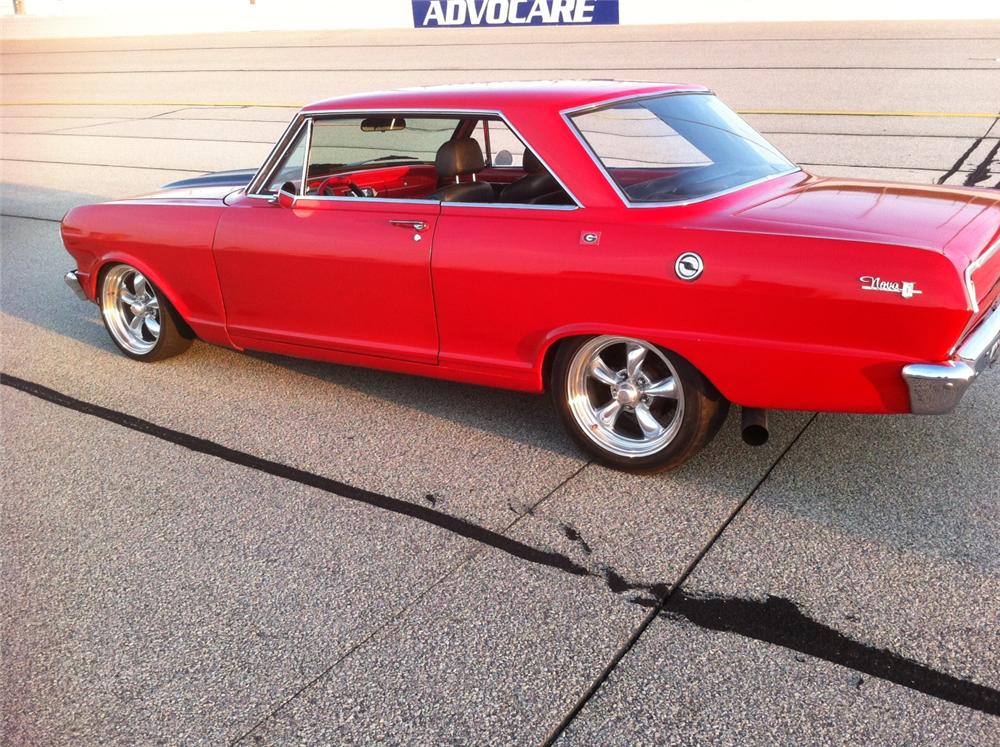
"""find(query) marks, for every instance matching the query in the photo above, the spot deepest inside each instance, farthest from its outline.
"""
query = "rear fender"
(770, 374)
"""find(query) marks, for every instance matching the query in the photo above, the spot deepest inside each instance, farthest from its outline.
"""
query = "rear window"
(677, 148)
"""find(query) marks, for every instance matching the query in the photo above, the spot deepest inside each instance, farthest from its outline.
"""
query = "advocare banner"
(435, 13)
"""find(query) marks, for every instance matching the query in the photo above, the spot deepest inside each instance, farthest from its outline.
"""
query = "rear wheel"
(632, 404)
(139, 318)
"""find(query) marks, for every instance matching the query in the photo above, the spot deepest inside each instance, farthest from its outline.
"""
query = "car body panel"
(338, 275)
(800, 305)
(170, 241)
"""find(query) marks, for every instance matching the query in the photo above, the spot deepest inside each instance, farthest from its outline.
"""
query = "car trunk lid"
(883, 212)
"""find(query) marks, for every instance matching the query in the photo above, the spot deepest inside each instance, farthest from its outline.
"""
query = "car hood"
(927, 217)
(214, 186)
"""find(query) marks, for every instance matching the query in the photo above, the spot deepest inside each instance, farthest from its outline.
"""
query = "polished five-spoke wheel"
(625, 394)
(633, 404)
(140, 321)
(131, 309)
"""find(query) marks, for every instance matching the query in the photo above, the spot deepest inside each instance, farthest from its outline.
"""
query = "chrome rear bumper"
(74, 285)
(936, 388)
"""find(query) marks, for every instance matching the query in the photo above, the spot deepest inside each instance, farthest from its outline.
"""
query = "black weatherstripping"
(775, 620)
(238, 178)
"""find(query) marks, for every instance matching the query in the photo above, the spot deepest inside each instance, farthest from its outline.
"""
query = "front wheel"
(139, 318)
(633, 405)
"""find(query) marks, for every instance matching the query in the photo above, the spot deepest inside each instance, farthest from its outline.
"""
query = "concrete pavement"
(155, 592)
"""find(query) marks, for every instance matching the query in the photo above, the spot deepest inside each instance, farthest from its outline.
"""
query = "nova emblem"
(689, 266)
(872, 283)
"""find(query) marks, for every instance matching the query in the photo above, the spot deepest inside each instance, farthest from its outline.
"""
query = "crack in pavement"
(982, 171)
(956, 167)
(775, 620)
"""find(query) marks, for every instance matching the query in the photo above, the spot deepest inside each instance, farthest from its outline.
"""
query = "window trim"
(568, 114)
(274, 159)
(304, 181)
(305, 118)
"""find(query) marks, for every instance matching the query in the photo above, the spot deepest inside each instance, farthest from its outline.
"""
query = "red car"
(635, 249)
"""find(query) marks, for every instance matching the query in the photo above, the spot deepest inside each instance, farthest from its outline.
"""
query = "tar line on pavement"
(776, 620)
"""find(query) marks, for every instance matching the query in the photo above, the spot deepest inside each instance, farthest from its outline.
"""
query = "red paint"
(778, 319)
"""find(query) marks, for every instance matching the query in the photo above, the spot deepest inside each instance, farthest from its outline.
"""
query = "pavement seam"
(484, 537)
(777, 621)
(68, 132)
(30, 217)
(957, 166)
(657, 609)
(61, 130)
(395, 618)
(297, 107)
(534, 43)
(103, 165)
(982, 170)
(454, 524)
(535, 69)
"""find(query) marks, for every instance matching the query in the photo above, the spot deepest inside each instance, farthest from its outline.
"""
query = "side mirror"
(287, 195)
(503, 158)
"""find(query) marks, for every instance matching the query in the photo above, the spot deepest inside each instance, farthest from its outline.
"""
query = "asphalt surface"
(246, 548)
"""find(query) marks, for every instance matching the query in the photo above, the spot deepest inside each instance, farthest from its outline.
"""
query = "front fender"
(170, 243)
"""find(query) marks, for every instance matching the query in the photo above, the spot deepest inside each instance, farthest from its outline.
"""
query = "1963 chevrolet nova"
(635, 249)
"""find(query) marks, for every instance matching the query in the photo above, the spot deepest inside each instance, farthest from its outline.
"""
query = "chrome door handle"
(416, 225)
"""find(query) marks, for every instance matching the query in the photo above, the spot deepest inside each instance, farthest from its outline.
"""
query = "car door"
(329, 271)
(350, 275)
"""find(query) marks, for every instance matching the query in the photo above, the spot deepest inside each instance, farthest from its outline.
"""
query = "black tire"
(173, 335)
(704, 410)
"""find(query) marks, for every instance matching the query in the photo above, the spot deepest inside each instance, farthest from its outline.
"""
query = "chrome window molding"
(305, 157)
(605, 103)
(279, 150)
(274, 157)
(418, 201)
(365, 200)
(509, 205)
(567, 115)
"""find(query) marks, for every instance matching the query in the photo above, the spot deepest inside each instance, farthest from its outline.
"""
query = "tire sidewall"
(704, 411)
(169, 334)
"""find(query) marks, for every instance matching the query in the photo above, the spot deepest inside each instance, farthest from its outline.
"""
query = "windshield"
(677, 148)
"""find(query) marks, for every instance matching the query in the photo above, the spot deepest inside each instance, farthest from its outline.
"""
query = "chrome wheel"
(625, 395)
(131, 309)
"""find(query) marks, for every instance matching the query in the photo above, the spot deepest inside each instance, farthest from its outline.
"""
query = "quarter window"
(290, 169)
(496, 139)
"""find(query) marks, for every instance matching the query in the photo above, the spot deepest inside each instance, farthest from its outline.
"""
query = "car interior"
(461, 171)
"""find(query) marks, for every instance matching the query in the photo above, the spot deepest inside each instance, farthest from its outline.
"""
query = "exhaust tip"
(754, 427)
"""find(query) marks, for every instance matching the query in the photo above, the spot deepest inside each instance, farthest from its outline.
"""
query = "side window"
(290, 169)
(381, 155)
(501, 147)
(354, 141)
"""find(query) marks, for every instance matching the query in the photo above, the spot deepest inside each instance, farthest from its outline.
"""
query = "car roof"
(554, 95)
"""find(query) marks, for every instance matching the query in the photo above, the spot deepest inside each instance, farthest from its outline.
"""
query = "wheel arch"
(683, 345)
(176, 301)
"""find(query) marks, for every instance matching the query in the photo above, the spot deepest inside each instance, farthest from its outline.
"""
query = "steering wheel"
(353, 188)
